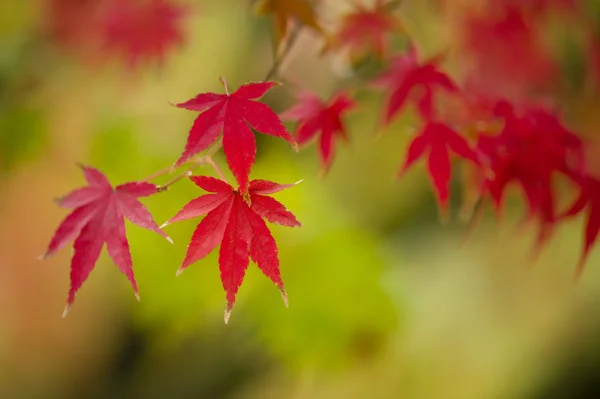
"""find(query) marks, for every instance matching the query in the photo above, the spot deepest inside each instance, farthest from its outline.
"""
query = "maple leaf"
(313, 116)
(589, 197)
(439, 139)
(284, 11)
(505, 40)
(530, 149)
(365, 30)
(235, 221)
(142, 29)
(233, 114)
(99, 217)
(405, 75)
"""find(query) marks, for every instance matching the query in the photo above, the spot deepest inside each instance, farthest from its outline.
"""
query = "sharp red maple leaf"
(589, 196)
(313, 116)
(439, 140)
(236, 222)
(233, 114)
(365, 30)
(142, 29)
(99, 217)
(408, 79)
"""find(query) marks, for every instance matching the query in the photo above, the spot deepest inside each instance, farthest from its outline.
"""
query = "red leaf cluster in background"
(99, 217)
(504, 53)
(137, 31)
(236, 222)
(141, 30)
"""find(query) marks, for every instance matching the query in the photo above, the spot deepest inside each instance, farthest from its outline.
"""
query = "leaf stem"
(224, 82)
(159, 173)
(165, 186)
(212, 163)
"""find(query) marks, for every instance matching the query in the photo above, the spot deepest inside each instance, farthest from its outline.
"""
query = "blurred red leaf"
(589, 197)
(141, 30)
(504, 54)
(314, 116)
(531, 148)
(439, 139)
(365, 30)
(408, 79)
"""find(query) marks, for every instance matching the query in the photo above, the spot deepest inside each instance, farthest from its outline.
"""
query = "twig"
(159, 173)
(294, 34)
(165, 186)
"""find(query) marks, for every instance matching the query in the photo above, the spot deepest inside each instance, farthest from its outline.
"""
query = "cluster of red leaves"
(136, 31)
(531, 147)
(234, 217)
(505, 138)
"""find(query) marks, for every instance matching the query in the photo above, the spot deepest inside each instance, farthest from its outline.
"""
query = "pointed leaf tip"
(169, 239)
(66, 310)
(284, 296)
(137, 296)
(164, 224)
(227, 315)
(178, 272)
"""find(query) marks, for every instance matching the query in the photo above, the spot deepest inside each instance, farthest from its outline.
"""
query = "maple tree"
(495, 116)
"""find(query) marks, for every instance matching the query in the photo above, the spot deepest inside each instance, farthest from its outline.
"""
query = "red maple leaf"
(314, 115)
(233, 114)
(142, 29)
(589, 196)
(99, 217)
(531, 148)
(506, 40)
(408, 79)
(365, 30)
(439, 139)
(236, 222)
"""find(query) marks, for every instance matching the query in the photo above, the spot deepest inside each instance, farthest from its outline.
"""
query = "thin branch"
(293, 37)
(157, 174)
(165, 186)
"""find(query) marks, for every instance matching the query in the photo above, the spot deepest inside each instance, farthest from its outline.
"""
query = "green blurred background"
(385, 302)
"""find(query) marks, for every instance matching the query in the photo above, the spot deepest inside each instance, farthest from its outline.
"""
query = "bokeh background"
(385, 302)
